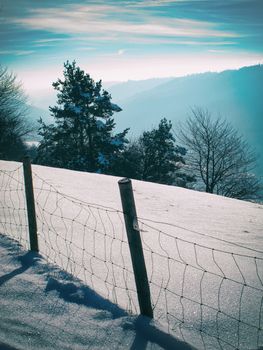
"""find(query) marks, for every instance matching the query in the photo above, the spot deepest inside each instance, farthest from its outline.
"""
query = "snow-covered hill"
(204, 253)
(43, 308)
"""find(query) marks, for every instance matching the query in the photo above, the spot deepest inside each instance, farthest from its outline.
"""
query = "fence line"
(87, 241)
(13, 206)
(214, 293)
(194, 283)
(201, 234)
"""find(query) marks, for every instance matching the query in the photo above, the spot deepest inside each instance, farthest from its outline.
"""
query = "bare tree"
(219, 155)
(13, 110)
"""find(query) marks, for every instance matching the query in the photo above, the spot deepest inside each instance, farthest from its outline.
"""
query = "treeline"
(211, 155)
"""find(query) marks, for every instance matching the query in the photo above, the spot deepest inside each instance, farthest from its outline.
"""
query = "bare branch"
(219, 155)
(13, 110)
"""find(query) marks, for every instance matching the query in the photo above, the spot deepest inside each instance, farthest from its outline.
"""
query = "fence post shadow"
(146, 332)
(6, 347)
(27, 260)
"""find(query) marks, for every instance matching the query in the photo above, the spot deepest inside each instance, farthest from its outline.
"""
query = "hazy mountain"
(236, 95)
(32, 117)
(36, 113)
(122, 91)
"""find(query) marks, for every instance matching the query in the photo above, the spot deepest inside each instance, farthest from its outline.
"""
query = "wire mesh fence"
(13, 206)
(215, 293)
(87, 241)
(42, 307)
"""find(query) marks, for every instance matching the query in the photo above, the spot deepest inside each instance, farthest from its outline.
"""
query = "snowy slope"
(203, 252)
(43, 308)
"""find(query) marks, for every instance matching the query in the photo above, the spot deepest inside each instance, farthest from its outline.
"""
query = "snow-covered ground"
(44, 308)
(204, 253)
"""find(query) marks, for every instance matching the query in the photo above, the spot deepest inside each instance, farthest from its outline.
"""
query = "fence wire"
(43, 307)
(211, 297)
(87, 241)
(217, 293)
(13, 212)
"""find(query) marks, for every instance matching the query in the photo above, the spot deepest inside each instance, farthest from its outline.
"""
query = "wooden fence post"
(30, 203)
(135, 245)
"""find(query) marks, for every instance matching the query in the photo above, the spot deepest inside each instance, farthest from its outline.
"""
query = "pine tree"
(155, 157)
(130, 162)
(160, 154)
(82, 137)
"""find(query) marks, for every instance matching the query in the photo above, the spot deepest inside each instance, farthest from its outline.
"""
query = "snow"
(85, 94)
(115, 107)
(45, 308)
(81, 229)
(32, 143)
(100, 124)
(99, 98)
(102, 160)
(116, 142)
(75, 109)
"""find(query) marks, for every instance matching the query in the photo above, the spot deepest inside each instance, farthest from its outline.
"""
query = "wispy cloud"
(85, 48)
(156, 3)
(16, 52)
(100, 20)
(181, 41)
(217, 51)
(49, 40)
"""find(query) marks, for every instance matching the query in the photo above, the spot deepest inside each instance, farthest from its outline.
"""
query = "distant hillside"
(122, 91)
(32, 117)
(236, 95)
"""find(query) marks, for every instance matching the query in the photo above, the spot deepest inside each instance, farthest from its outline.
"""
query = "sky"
(118, 40)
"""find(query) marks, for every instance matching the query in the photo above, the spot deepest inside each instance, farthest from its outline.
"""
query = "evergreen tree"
(130, 162)
(160, 154)
(155, 157)
(82, 137)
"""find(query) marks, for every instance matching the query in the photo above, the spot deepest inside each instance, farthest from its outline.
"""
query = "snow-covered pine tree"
(82, 136)
(160, 154)
(155, 157)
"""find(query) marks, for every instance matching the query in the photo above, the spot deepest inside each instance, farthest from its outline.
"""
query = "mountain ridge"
(236, 95)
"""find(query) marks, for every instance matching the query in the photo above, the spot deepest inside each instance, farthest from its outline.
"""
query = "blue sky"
(135, 39)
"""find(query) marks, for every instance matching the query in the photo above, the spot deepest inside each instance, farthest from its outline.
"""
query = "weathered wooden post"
(135, 245)
(30, 203)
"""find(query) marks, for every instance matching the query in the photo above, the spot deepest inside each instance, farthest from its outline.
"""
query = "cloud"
(85, 48)
(49, 40)
(180, 41)
(16, 52)
(216, 51)
(121, 52)
(100, 21)
(156, 3)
